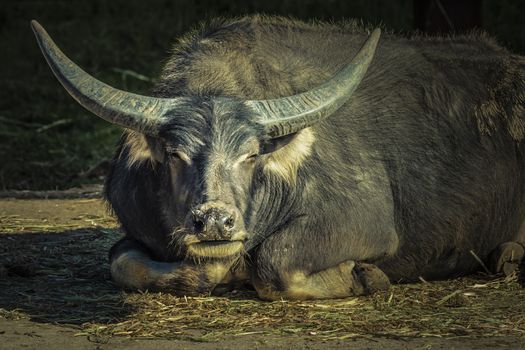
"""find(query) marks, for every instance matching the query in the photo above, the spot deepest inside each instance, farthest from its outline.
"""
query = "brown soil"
(30, 335)
(55, 293)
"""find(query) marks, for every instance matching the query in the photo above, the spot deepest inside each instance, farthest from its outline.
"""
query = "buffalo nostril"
(198, 224)
(229, 223)
(226, 223)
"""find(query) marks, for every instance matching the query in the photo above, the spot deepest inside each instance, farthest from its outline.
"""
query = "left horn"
(140, 113)
(283, 116)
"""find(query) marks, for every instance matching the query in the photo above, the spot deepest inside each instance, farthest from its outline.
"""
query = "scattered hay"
(57, 272)
(464, 307)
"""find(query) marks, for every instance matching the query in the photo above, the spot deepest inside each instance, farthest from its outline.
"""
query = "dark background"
(47, 141)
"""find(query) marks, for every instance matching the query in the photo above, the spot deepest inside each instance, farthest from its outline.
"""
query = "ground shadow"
(60, 277)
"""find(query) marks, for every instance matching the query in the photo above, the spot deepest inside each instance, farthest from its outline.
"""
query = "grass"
(48, 142)
(55, 271)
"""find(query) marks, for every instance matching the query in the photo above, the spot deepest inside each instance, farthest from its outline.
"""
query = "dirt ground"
(30, 335)
(55, 292)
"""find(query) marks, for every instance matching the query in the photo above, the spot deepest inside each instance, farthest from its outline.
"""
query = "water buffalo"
(265, 154)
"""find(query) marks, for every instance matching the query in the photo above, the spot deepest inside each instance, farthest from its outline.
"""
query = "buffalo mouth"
(215, 249)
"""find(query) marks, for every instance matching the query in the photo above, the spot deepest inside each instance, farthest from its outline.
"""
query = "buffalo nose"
(214, 223)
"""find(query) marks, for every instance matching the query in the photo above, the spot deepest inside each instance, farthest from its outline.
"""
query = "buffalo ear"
(277, 143)
(284, 155)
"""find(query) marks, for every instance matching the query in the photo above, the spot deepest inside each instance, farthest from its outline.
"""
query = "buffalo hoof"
(371, 277)
(506, 258)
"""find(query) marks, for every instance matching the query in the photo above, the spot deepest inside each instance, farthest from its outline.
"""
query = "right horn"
(140, 113)
(283, 116)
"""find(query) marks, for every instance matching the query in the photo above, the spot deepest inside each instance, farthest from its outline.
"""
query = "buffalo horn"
(283, 116)
(140, 113)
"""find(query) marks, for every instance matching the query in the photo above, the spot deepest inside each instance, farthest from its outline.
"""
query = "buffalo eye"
(174, 155)
(179, 156)
(251, 158)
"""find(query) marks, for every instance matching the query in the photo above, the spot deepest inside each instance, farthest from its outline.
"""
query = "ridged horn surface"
(283, 116)
(140, 113)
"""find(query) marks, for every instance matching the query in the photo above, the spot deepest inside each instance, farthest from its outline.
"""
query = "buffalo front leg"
(346, 279)
(133, 268)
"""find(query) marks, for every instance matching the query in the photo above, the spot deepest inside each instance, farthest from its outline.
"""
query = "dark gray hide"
(424, 164)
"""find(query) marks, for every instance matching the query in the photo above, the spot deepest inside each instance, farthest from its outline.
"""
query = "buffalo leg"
(346, 279)
(506, 258)
(133, 268)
